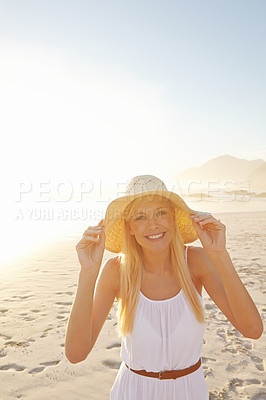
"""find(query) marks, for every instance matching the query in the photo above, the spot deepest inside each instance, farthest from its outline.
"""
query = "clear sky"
(94, 91)
(120, 88)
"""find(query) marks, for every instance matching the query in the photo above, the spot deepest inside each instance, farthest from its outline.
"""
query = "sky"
(101, 91)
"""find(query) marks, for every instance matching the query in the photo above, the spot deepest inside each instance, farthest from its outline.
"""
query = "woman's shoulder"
(111, 270)
(113, 263)
(195, 260)
(196, 251)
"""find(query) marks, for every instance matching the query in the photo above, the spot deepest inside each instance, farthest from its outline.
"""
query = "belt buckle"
(160, 375)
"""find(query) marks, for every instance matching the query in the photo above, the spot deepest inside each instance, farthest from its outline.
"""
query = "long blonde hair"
(131, 267)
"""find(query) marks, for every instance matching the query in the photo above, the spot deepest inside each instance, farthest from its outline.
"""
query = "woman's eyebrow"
(142, 212)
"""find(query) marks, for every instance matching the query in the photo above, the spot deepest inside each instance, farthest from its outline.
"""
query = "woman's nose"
(152, 222)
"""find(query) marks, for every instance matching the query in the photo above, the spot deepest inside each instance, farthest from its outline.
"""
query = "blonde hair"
(131, 267)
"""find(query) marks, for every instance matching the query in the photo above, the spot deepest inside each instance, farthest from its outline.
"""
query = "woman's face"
(152, 224)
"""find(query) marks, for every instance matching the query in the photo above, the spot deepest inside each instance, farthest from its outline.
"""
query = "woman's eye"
(161, 212)
(139, 217)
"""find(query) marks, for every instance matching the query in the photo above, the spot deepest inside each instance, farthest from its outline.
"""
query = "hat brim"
(115, 210)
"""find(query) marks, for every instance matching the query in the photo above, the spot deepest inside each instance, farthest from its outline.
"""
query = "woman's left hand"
(210, 230)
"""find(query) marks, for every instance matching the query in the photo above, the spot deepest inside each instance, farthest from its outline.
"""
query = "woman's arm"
(90, 310)
(221, 280)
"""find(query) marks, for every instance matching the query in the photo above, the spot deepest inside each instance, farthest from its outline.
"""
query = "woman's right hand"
(91, 247)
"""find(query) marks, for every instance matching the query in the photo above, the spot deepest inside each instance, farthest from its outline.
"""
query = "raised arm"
(220, 279)
(93, 301)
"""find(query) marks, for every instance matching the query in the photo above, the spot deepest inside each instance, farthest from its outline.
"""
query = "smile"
(156, 237)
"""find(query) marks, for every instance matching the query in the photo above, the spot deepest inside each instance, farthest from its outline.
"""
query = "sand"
(35, 305)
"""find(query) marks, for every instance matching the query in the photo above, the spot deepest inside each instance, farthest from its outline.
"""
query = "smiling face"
(152, 223)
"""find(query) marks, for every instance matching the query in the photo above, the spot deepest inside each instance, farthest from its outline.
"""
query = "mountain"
(258, 179)
(235, 171)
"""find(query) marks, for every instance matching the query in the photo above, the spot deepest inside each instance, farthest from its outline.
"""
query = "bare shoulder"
(198, 264)
(110, 273)
(112, 264)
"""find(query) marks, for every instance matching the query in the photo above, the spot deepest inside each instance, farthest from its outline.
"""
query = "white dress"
(165, 336)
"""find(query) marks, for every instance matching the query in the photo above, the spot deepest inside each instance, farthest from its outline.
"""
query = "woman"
(158, 283)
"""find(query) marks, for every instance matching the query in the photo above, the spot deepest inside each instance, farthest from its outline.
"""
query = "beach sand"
(35, 305)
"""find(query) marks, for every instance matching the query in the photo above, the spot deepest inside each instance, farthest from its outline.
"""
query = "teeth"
(155, 236)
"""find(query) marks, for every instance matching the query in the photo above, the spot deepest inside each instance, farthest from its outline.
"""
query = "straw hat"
(140, 186)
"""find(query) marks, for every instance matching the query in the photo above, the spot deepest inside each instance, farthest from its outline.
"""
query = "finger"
(83, 243)
(200, 213)
(197, 227)
(202, 217)
(95, 231)
(207, 221)
(94, 226)
(89, 238)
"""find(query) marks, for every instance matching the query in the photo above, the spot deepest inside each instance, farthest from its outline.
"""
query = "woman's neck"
(157, 263)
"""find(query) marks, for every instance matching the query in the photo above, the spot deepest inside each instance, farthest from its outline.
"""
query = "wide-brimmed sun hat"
(141, 186)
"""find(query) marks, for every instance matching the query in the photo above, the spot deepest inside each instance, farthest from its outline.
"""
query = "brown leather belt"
(167, 374)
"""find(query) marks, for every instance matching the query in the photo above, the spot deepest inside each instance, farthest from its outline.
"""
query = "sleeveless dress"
(165, 336)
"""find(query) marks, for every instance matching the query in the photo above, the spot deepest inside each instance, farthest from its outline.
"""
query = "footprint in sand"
(24, 297)
(29, 319)
(64, 303)
(10, 343)
(113, 345)
(50, 363)
(252, 382)
(5, 337)
(36, 370)
(207, 359)
(45, 333)
(68, 293)
(258, 363)
(221, 333)
(208, 371)
(60, 317)
(248, 345)
(234, 383)
(210, 306)
(16, 367)
(259, 396)
(45, 364)
(245, 382)
(111, 364)
(230, 368)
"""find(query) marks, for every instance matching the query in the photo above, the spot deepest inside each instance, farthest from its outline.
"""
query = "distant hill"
(229, 169)
(258, 178)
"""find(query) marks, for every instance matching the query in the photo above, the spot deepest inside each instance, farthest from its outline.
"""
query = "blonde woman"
(157, 281)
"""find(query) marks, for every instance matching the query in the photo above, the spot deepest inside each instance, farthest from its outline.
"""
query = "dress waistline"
(167, 374)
